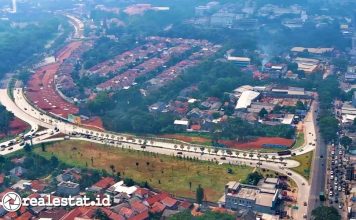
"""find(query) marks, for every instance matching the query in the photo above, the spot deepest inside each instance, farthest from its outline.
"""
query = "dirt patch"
(94, 123)
(17, 126)
(257, 143)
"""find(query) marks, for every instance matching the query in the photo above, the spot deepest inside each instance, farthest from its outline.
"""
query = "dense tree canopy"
(324, 212)
(5, 119)
(18, 45)
(345, 141)
(186, 215)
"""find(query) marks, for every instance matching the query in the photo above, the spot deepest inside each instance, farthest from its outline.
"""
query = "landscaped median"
(163, 172)
(305, 161)
(299, 141)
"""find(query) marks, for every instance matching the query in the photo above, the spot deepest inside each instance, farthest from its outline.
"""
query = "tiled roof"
(142, 216)
(157, 207)
(138, 206)
(105, 182)
(168, 201)
(126, 212)
(142, 192)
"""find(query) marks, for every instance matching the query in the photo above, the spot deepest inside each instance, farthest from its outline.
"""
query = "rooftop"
(248, 193)
(246, 98)
(68, 184)
(265, 199)
(312, 50)
(239, 59)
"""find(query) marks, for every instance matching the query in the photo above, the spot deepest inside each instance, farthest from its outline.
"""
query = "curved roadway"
(23, 109)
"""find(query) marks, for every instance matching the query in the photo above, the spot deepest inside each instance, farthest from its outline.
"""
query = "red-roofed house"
(142, 216)
(88, 213)
(38, 185)
(155, 198)
(13, 215)
(142, 193)
(157, 207)
(111, 214)
(170, 202)
(105, 182)
(137, 206)
(54, 214)
(126, 212)
(79, 212)
(102, 184)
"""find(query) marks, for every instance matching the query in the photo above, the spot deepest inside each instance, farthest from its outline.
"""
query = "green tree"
(54, 161)
(129, 182)
(200, 194)
(328, 127)
(27, 148)
(300, 105)
(253, 178)
(2, 159)
(209, 215)
(5, 119)
(324, 212)
(43, 147)
(98, 214)
(345, 141)
(263, 113)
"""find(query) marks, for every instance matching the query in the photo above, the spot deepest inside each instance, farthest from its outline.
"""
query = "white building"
(246, 98)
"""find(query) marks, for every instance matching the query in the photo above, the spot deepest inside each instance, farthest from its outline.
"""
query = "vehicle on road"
(284, 152)
(321, 196)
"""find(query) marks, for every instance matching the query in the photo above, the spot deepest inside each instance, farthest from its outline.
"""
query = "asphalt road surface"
(318, 170)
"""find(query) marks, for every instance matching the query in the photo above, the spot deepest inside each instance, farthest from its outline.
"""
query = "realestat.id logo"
(11, 201)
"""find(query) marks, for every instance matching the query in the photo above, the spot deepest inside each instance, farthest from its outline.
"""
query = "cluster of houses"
(230, 15)
(173, 72)
(249, 15)
(245, 102)
(299, 62)
(307, 60)
(130, 57)
(64, 82)
(127, 202)
(122, 71)
(153, 56)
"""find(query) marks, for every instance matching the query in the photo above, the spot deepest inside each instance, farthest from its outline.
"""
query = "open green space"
(162, 172)
(299, 141)
(305, 161)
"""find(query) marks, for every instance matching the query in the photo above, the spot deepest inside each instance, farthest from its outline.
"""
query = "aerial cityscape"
(178, 109)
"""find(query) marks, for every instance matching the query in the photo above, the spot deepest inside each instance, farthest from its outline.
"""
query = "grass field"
(305, 161)
(299, 141)
(160, 171)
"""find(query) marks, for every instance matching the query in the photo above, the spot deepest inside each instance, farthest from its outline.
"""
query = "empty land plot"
(160, 171)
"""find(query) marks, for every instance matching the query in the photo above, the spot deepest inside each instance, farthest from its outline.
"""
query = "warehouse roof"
(246, 98)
